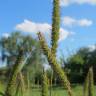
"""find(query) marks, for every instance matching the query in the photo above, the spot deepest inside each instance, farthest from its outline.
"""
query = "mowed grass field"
(57, 91)
(78, 91)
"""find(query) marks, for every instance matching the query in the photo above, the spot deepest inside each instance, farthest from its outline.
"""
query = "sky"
(78, 21)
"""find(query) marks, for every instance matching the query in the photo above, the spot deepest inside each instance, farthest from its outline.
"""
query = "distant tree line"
(76, 65)
(9, 48)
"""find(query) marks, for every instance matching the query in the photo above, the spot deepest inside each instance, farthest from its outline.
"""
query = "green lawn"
(2, 87)
(78, 90)
(57, 91)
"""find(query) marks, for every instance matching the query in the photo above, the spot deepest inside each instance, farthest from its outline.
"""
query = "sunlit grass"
(56, 91)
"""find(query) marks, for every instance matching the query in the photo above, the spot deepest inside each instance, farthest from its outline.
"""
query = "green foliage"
(78, 64)
(76, 59)
(44, 84)
(54, 64)
(16, 69)
(19, 40)
(75, 63)
(33, 65)
(74, 68)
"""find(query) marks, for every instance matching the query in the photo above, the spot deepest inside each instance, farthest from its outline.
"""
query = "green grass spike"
(54, 64)
(55, 26)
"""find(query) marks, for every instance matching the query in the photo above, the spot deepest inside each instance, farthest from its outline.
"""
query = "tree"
(74, 68)
(11, 45)
(78, 64)
(10, 50)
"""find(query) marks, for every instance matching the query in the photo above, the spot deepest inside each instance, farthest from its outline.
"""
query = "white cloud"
(92, 47)
(68, 2)
(64, 34)
(69, 21)
(64, 2)
(85, 22)
(28, 26)
(45, 28)
(5, 35)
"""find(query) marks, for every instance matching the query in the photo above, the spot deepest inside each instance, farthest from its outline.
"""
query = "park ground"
(56, 91)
